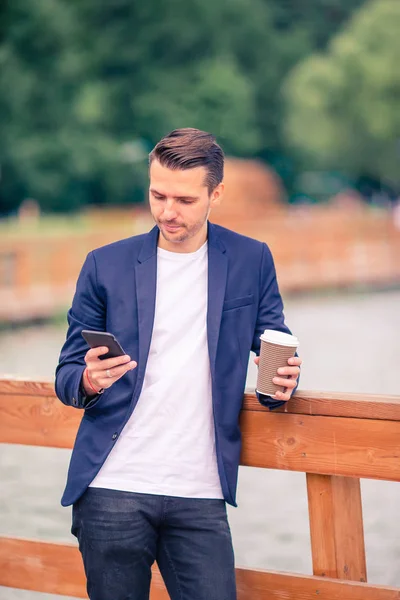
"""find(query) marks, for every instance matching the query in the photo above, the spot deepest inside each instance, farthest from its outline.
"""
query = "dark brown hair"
(188, 148)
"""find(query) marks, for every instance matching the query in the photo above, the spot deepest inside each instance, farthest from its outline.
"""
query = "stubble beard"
(183, 236)
(186, 234)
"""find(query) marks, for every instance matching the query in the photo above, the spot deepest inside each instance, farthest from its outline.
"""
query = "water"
(348, 343)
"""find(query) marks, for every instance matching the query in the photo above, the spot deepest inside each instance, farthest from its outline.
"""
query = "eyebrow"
(153, 191)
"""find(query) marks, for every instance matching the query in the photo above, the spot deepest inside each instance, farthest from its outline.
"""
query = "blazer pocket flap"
(238, 302)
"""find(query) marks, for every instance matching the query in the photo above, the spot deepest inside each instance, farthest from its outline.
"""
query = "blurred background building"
(304, 97)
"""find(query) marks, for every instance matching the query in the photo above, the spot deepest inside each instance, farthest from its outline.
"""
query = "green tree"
(56, 141)
(343, 106)
(88, 87)
(168, 64)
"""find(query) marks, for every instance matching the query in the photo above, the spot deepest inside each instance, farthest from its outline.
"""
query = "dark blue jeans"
(121, 534)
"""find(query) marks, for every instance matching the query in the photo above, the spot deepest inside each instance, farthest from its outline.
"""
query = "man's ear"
(216, 196)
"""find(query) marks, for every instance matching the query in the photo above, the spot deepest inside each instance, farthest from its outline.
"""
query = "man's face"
(180, 203)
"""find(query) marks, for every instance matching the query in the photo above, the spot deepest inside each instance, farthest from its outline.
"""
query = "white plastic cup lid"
(278, 337)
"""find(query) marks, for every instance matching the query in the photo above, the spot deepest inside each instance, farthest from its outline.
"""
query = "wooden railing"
(335, 439)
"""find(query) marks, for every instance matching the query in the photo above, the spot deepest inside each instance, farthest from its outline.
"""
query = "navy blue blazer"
(116, 292)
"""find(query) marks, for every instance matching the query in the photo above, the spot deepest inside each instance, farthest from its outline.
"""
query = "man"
(157, 452)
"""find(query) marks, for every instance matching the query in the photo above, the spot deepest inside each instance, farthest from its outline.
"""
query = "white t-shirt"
(168, 445)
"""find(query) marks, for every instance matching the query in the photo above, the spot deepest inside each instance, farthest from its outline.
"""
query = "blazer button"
(114, 436)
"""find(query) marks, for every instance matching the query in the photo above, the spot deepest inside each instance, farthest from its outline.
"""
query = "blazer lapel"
(146, 283)
(217, 275)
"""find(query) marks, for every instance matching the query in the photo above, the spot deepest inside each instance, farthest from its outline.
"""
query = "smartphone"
(102, 338)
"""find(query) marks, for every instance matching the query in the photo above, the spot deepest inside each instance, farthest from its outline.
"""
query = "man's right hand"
(101, 374)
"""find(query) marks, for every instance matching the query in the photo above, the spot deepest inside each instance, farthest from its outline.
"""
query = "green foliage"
(215, 96)
(88, 87)
(343, 106)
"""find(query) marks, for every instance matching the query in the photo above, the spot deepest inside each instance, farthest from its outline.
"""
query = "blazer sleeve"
(270, 313)
(88, 311)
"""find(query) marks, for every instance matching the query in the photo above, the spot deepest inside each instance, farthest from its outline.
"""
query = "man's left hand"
(286, 377)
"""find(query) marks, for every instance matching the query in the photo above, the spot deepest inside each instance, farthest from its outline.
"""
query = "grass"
(47, 225)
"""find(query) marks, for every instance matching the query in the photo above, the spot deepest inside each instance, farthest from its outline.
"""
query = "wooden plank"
(37, 421)
(57, 569)
(323, 545)
(336, 527)
(267, 585)
(314, 444)
(339, 404)
(27, 387)
(343, 404)
(349, 528)
(325, 445)
(42, 567)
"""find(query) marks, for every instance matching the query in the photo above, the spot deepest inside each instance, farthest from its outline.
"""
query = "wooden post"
(336, 527)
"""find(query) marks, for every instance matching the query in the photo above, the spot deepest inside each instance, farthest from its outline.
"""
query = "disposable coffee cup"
(276, 349)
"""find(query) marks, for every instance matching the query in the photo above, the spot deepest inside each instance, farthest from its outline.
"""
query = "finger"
(109, 363)
(290, 390)
(289, 382)
(286, 393)
(106, 377)
(116, 372)
(257, 360)
(295, 360)
(282, 396)
(291, 371)
(94, 353)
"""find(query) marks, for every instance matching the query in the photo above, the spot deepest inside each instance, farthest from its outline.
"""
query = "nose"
(169, 212)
